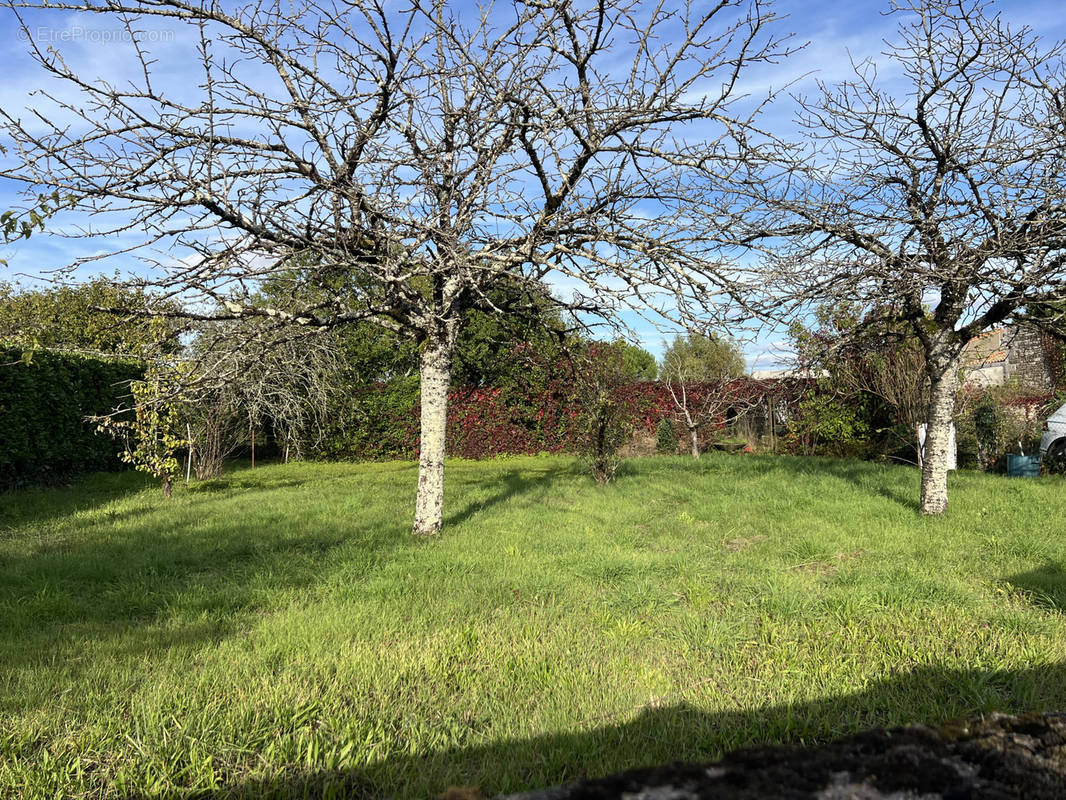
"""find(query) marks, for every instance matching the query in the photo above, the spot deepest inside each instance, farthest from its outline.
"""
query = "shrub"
(150, 433)
(604, 420)
(44, 405)
(825, 425)
(666, 437)
(999, 420)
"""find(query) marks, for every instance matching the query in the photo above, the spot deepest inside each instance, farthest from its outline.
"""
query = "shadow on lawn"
(1044, 586)
(661, 734)
(510, 484)
(868, 478)
(41, 504)
(144, 580)
(111, 578)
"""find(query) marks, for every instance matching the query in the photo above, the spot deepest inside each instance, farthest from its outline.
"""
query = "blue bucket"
(1023, 466)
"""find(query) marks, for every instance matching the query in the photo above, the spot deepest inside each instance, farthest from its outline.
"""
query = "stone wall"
(1027, 360)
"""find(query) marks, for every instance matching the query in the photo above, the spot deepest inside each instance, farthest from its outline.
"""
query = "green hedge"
(44, 435)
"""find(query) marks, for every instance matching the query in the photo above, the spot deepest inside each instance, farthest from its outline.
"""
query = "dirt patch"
(822, 567)
(815, 567)
(641, 443)
(745, 542)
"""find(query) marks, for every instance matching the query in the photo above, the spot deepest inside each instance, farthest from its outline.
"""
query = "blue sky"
(836, 32)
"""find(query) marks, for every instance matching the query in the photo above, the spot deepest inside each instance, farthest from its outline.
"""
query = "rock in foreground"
(996, 756)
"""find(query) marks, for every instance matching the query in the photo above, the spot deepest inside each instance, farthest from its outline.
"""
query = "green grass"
(279, 633)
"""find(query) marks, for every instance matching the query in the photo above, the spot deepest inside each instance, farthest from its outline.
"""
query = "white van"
(1053, 442)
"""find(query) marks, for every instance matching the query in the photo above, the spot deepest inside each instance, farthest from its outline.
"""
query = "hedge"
(380, 421)
(44, 402)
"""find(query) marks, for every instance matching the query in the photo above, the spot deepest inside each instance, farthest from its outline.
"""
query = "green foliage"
(872, 363)
(21, 225)
(152, 433)
(484, 348)
(827, 425)
(373, 422)
(375, 355)
(697, 357)
(987, 422)
(637, 364)
(66, 318)
(604, 421)
(44, 403)
(278, 633)
(996, 421)
(666, 437)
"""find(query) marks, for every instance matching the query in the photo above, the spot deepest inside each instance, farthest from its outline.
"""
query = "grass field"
(279, 633)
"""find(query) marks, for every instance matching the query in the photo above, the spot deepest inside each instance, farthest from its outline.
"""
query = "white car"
(1053, 442)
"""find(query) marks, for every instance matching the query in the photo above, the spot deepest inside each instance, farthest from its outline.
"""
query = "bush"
(666, 437)
(44, 403)
(996, 421)
(604, 420)
(825, 425)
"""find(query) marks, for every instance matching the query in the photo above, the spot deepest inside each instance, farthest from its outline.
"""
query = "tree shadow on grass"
(20, 507)
(869, 477)
(145, 579)
(1044, 586)
(510, 484)
(135, 584)
(662, 734)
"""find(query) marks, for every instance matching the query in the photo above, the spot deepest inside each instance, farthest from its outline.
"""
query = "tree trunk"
(943, 375)
(694, 441)
(435, 370)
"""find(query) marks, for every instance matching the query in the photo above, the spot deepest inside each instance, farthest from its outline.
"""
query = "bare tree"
(232, 381)
(701, 375)
(410, 160)
(950, 194)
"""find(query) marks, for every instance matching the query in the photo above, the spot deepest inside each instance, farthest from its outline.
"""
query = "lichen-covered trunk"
(694, 441)
(435, 369)
(943, 376)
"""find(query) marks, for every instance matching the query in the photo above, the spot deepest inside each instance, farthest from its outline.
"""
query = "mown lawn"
(278, 633)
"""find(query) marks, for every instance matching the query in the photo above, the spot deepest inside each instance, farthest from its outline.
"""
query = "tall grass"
(278, 632)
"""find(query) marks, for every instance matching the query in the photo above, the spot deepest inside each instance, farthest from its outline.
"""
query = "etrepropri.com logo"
(77, 33)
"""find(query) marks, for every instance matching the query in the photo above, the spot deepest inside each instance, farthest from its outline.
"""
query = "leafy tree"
(703, 357)
(484, 347)
(70, 318)
(637, 363)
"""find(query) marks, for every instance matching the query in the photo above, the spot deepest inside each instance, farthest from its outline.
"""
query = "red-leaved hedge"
(487, 422)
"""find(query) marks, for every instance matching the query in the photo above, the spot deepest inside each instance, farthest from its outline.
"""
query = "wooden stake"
(188, 458)
(253, 448)
(773, 441)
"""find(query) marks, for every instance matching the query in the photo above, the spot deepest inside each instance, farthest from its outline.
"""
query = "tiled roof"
(984, 349)
(995, 357)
